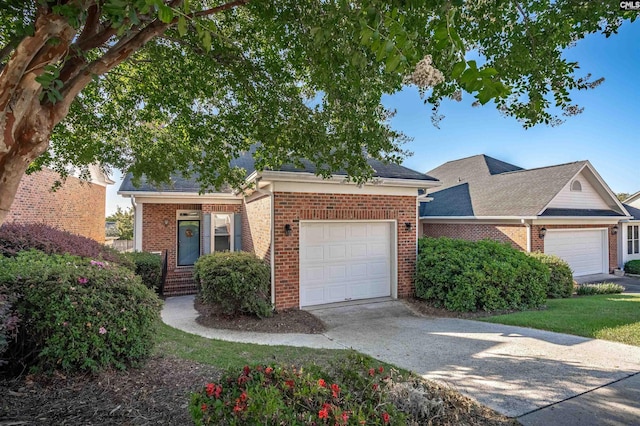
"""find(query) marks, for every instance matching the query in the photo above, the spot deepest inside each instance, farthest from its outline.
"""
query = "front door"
(188, 242)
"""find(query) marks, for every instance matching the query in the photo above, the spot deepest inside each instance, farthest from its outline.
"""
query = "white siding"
(588, 198)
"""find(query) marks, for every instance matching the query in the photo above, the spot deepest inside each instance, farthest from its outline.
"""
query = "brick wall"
(516, 234)
(537, 243)
(290, 208)
(256, 227)
(158, 237)
(78, 206)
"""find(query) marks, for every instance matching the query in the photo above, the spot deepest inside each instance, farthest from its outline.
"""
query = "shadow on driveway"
(513, 370)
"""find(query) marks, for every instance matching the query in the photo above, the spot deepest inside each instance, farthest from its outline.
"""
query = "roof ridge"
(544, 167)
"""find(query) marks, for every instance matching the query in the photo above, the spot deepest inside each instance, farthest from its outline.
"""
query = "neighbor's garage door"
(344, 261)
(585, 250)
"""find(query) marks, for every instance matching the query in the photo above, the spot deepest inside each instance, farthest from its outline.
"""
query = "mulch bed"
(289, 321)
(425, 308)
(156, 393)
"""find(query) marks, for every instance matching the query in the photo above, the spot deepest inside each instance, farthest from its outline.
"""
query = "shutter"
(237, 232)
(206, 233)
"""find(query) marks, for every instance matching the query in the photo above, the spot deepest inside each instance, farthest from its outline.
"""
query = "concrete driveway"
(631, 284)
(516, 371)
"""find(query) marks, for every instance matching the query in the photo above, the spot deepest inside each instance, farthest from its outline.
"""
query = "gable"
(585, 198)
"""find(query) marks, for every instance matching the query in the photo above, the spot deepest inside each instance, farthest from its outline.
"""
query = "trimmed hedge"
(486, 275)
(15, 238)
(237, 282)
(561, 278)
(632, 267)
(148, 267)
(78, 314)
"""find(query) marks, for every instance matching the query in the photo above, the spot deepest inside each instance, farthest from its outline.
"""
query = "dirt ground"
(290, 321)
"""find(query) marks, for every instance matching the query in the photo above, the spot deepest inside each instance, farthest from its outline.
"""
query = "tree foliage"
(156, 86)
(123, 219)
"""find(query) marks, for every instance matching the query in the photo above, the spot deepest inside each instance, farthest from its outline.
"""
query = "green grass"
(608, 317)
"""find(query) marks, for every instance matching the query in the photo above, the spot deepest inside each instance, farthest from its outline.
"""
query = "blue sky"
(607, 133)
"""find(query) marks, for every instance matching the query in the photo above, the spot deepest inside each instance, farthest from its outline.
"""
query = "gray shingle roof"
(633, 211)
(580, 212)
(246, 161)
(495, 188)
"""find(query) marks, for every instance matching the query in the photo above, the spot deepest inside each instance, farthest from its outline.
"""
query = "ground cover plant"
(236, 282)
(462, 275)
(608, 317)
(76, 313)
(600, 288)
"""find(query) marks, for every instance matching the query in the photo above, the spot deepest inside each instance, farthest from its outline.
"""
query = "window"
(222, 232)
(576, 186)
(633, 242)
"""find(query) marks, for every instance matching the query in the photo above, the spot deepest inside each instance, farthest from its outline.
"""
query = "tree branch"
(219, 9)
(527, 22)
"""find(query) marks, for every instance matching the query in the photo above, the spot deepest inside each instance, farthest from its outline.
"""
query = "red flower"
(237, 408)
(372, 371)
(323, 414)
(336, 390)
(345, 416)
(246, 370)
(259, 368)
(203, 407)
(218, 391)
(385, 417)
(268, 370)
(375, 386)
(243, 396)
(322, 383)
(242, 380)
(381, 369)
(290, 383)
(210, 388)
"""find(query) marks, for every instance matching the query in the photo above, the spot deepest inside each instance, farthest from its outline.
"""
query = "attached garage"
(341, 261)
(585, 250)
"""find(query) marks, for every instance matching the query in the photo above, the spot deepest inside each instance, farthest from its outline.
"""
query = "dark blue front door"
(188, 242)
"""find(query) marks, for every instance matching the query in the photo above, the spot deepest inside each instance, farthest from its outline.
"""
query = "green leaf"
(458, 69)
(365, 36)
(206, 40)
(182, 25)
(392, 63)
(165, 13)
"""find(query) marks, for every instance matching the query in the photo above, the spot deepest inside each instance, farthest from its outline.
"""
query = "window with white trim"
(222, 224)
(633, 242)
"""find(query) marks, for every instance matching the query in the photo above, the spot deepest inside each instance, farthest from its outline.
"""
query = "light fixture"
(407, 226)
(614, 230)
(543, 232)
(287, 229)
(166, 222)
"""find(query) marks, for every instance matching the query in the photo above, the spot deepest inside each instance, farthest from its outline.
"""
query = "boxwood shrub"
(237, 282)
(486, 275)
(78, 314)
(632, 267)
(148, 267)
(561, 278)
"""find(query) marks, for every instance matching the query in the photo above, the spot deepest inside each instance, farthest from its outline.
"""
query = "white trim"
(632, 198)
(393, 253)
(232, 225)
(518, 218)
(577, 220)
(187, 200)
(178, 194)
(528, 230)
(137, 227)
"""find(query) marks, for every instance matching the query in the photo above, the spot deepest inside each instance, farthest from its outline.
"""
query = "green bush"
(237, 282)
(632, 267)
(78, 314)
(9, 321)
(561, 279)
(148, 267)
(602, 288)
(486, 275)
(273, 395)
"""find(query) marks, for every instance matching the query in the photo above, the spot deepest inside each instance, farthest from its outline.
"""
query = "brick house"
(327, 240)
(566, 209)
(78, 206)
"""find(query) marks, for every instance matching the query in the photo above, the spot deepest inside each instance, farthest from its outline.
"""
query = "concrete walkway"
(520, 372)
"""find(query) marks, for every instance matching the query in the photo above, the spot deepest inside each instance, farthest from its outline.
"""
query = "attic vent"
(576, 186)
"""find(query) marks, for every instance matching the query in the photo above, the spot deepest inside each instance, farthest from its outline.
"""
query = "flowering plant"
(275, 395)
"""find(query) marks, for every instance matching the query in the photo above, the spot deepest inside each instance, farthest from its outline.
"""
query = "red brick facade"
(78, 206)
(256, 227)
(291, 208)
(515, 234)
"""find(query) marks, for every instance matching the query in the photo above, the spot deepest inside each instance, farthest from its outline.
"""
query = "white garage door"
(344, 261)
(584, 250)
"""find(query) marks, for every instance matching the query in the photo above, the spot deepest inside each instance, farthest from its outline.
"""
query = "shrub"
(602, 288)
(9, 321)
(78, 314)
(148, 267)
(486, 275)
(561, 278)
(273, 395)
(632, 267)
(15, 238)
(237, 282)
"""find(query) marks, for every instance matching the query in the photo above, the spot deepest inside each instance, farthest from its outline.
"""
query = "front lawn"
(608, 317)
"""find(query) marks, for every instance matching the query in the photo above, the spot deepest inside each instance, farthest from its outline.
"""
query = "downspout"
(137, 224)
(528, 226)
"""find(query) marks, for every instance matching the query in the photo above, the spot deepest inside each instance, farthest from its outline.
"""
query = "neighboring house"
(78, 206)
(566, 209)
(327, 240)
(629, 245)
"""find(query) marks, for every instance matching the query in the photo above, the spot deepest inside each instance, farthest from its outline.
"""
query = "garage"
(585, 250)
(341, 261)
